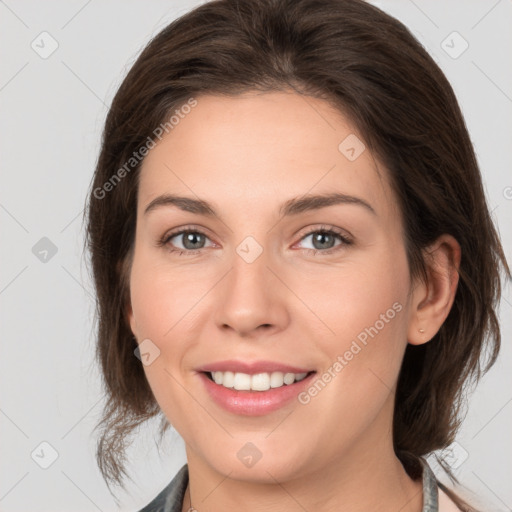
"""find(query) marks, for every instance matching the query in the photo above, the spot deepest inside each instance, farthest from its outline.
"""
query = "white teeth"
(260, 382)
(289, 378)
(276, 380)
(256, 382)
(228, 379)
(242, 382)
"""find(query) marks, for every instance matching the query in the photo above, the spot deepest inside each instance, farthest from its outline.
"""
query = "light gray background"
(52, 112)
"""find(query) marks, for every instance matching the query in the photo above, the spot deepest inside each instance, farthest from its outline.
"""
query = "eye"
(191, 241)
(324, 240)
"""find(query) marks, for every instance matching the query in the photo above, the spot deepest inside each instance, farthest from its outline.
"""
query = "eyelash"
(326, 230)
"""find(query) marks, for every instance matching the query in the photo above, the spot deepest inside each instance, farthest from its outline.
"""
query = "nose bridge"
(249, 275)
(250, 293)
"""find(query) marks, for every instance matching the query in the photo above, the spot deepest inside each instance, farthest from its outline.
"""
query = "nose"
(251, 299)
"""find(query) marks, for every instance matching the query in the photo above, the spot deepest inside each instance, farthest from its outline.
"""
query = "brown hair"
(369, 66)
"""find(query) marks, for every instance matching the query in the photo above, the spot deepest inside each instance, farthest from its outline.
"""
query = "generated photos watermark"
(356, 347)
(138, 156)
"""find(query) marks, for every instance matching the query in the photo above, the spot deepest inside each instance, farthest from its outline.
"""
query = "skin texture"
(247, 155)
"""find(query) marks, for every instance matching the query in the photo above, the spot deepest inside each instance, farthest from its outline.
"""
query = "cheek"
(161, 299)
(165, 305)
(366, 307)
(368, 292)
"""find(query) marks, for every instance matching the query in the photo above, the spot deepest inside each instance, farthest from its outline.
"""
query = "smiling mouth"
(264, 381)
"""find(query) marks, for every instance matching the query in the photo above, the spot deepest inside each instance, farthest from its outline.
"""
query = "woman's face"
(259, 288)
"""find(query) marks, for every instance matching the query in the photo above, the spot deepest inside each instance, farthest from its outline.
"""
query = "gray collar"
(171, 498)
(430, 490)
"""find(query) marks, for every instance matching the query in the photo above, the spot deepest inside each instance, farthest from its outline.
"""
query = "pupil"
(320, 237)
(192, 238)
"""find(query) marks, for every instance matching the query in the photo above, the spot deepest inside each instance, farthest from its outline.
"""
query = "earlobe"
(433, 300)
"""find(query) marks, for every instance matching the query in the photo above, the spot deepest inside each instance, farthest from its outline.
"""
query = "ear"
(432, 300)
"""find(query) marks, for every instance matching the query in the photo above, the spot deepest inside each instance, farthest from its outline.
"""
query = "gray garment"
(171, 498)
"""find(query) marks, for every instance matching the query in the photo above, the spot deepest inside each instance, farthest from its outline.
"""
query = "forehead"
(257, 148)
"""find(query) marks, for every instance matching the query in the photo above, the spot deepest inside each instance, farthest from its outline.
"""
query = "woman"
(294, 259)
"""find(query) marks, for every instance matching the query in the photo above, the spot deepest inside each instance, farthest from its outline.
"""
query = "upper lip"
(251, 367)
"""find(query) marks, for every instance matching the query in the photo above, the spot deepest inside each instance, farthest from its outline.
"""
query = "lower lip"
(254, 403)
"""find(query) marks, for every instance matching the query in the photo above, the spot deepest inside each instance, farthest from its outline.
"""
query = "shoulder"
(170, 499)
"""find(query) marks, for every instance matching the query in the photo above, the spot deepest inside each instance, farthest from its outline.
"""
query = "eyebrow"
(290, 207)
